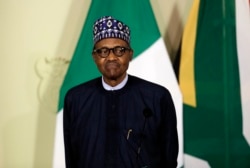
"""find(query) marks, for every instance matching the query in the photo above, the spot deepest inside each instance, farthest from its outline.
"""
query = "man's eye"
(121, 49)
(104, 50)
(101, 51)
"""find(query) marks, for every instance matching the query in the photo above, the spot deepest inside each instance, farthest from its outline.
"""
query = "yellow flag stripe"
(187, 78)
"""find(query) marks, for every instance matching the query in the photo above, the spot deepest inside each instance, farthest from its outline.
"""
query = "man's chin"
(112, 77)
(112, 74)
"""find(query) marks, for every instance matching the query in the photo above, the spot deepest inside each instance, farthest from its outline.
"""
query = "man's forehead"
(111, 42)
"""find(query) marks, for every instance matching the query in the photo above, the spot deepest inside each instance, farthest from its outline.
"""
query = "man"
(118, 120)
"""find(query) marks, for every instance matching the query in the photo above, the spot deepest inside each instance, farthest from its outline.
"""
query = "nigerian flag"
(214, 79)
(151, 60)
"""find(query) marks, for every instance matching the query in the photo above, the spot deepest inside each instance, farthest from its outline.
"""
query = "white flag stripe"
(243, 43)
(154, 65)
(59, 156)
(194, 162)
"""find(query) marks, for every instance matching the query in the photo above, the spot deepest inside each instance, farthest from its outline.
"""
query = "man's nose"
(111, 55)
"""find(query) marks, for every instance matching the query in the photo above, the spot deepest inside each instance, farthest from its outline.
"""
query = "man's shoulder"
(148, 88)
(85, 86)
(143, 83)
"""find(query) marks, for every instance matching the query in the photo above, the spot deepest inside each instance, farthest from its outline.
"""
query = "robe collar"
(117, 87)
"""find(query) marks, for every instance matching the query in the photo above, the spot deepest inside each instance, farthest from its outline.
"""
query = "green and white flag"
(151, 60)
(214, 79)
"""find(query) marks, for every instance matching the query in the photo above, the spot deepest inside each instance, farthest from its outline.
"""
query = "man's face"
(114, 65)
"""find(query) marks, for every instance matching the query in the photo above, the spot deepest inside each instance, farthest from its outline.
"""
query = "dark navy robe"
(133, 127)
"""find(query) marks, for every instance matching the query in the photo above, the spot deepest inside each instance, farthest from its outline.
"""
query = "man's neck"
(115, 86)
